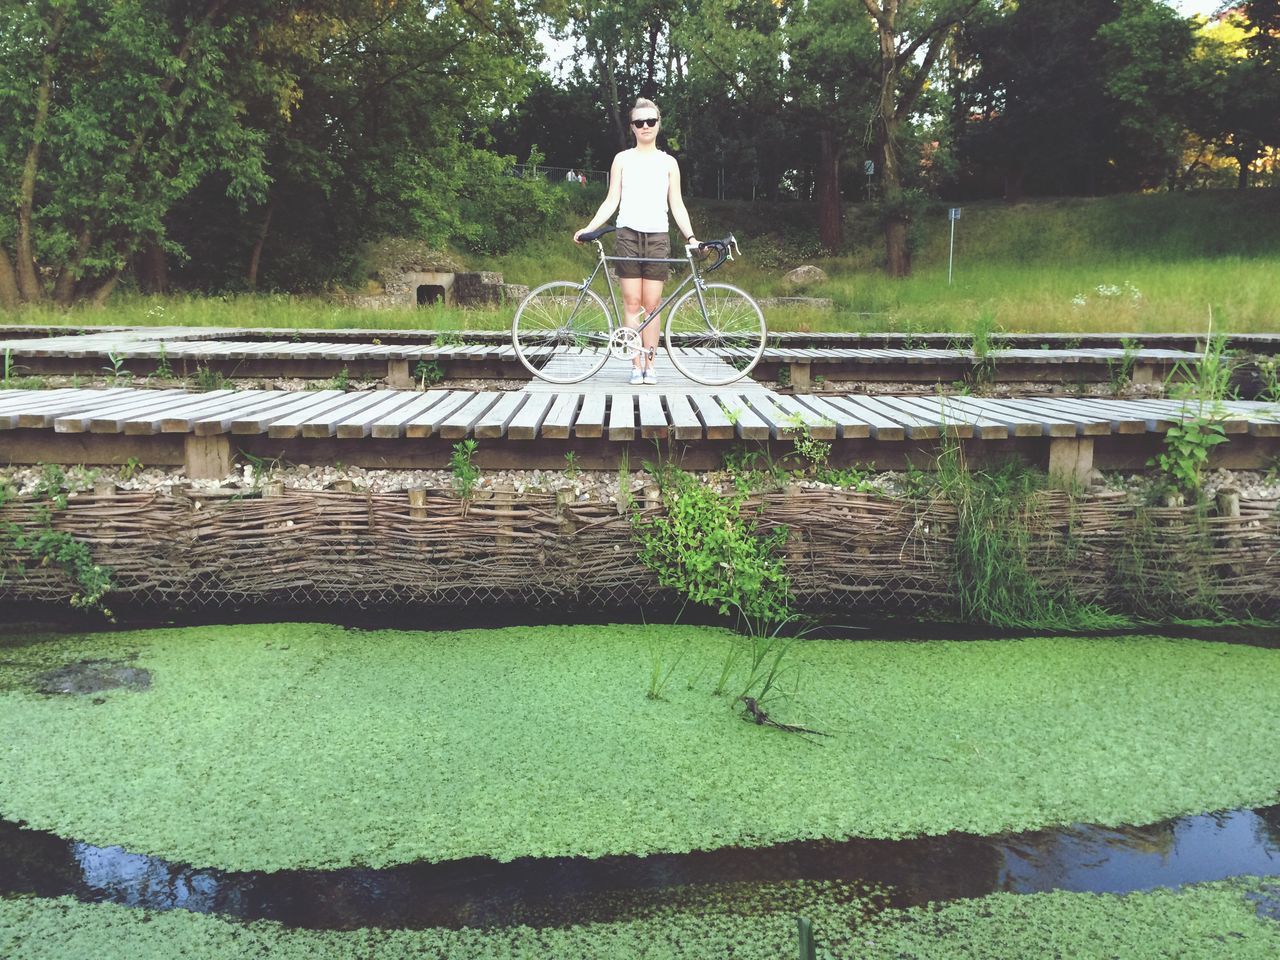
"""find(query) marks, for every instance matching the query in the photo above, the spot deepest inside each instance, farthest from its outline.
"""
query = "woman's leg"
(650, 297)
(633, 311)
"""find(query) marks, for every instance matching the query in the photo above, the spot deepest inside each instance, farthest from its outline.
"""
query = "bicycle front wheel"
(721, 343)
(561, 332)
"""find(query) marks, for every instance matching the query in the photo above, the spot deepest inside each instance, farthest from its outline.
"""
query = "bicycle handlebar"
(724, 248)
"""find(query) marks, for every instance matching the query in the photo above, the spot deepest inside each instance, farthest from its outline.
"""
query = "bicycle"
(563, 332)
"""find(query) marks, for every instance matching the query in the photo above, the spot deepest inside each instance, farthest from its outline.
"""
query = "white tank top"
(645, 184)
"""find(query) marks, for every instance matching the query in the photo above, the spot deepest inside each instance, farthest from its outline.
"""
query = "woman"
(644, 183)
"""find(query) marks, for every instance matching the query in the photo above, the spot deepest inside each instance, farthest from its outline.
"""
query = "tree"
(911, 35)
(833, 64)
(114, 108)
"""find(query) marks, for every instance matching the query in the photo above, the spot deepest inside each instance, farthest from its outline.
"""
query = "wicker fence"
(855, 551)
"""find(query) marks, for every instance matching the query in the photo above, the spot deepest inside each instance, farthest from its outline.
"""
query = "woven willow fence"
(851, 550)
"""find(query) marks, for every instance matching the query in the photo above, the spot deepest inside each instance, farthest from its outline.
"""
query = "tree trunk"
(255, 258)
(897, 261)
(830, 227)
(28, 279)
(153, 268)
(1242, 178)
(65, 288)
(615, 106)
(9, 296)
(104, 291)
(897, 253)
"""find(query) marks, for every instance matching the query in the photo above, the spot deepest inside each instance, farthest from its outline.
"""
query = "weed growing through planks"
(1188, 443)
(625, 499)
(1121, 371)
(1269, 374)
(571, 469)
(462, 464)
(784, 375)
(208, 379)
(130, 468)
(428, 373)
(812, 453)
(115, 368)
(163, 370)
(340, 381)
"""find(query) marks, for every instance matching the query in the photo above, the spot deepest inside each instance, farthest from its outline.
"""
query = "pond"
(523, 782)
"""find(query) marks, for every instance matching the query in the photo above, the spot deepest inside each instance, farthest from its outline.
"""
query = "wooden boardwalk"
(140, 351)
(204, 432)
(1259, 343)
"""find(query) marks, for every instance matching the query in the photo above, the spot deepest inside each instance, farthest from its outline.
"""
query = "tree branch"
(28, 280)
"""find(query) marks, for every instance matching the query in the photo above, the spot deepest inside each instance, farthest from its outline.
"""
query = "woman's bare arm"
(610, 203)
(675, 200)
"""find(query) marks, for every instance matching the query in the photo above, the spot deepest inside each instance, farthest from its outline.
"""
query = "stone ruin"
(426, 282)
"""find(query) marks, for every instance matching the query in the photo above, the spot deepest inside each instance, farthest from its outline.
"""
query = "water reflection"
(553, 892)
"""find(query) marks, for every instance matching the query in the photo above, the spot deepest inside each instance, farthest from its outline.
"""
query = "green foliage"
(1122, 370)
(462, 464)
(115, 368)
(163, 369)
(571, 469)
(993, 558)
(589, 767)
(428, 373)
(703, 546)
(208, 379)
(340, 381)
(38, 543)
(1188, 443)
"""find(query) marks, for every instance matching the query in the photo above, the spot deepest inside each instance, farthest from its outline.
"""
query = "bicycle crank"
(624, 343)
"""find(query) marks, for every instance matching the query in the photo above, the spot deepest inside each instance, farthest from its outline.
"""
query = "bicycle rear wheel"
(732, 328)
(561, 332)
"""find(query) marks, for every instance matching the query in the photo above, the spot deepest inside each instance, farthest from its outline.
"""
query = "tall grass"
(1134, 264)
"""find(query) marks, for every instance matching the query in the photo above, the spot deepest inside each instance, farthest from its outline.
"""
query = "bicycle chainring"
(624, 343)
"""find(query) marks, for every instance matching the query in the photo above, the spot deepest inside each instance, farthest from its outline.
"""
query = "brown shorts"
(633, 243)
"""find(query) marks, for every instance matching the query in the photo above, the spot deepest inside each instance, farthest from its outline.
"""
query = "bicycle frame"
(602, 259)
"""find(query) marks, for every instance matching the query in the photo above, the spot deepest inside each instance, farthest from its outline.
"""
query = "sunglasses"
(648, 122)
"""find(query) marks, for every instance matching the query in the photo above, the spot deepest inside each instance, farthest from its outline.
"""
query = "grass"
(271, 746)
(1025, 266)
(1198, 922)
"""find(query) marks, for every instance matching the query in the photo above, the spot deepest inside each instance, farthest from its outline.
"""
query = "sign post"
(953, 214)
(869, 168)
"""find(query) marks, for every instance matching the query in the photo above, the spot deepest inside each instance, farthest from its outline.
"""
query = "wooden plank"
(325, 423)
(459, 423)
(392, 425)
(429, 421)
(1177, 410)
(216, 417)
(591, 417)
(718, 425)
(361, 424)
(747, 423)
(820, 428)
(258, 419)
(149, 424)
(1060, 419)
(622, 416)
(1022, 424)
(1090, 421)
(291, 424)
(1122, 418)
(42, 413)
(525, 424)
(653, 419)
(880, 426)
(848, 427)
(916, 426)
(563, 413)
(961, 422)
(684, 422)
(495, 422)
(79, 420)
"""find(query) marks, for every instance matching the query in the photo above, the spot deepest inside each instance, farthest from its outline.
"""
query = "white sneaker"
(650, 376)
(637, 376)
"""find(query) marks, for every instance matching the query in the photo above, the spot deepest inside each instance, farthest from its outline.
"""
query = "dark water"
(555, 892)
